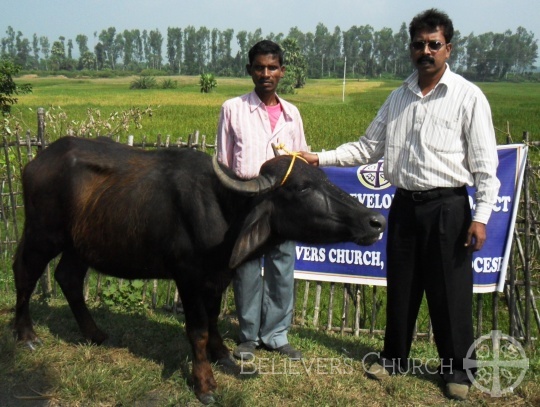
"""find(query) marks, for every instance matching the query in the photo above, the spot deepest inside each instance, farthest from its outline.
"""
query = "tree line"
(361, 50)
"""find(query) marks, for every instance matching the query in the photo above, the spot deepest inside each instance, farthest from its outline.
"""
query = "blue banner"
(350, 263)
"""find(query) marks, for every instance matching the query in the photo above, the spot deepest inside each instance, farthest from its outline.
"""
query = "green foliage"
(168, 84)
(295, 62)
(8, 87)
(123, 294)
(287, 84)
(144, 82)
(207, 82)
(152, 72)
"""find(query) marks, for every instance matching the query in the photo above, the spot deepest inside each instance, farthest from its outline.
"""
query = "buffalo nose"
(378, 222)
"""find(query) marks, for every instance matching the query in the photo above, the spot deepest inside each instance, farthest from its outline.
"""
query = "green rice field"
(331, 116)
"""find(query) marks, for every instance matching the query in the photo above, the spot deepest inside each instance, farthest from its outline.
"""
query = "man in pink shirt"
(248, 126)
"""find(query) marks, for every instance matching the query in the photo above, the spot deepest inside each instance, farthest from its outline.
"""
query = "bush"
(144, 82)
(168, 84)
(208, 82)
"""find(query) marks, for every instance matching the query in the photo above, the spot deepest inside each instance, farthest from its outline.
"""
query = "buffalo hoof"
(207, 398)
(33, 344)
(97, 337)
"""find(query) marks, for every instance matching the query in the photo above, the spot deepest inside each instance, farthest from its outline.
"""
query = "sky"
(68, 18)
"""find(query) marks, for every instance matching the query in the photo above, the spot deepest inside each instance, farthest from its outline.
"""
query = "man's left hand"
(476, 236)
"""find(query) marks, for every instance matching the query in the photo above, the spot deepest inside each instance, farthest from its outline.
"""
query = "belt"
(430, 194)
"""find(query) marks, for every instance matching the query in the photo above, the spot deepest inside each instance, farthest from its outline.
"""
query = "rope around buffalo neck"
(294, 154)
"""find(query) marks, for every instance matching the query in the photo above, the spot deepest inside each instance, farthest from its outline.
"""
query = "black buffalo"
(168, 214)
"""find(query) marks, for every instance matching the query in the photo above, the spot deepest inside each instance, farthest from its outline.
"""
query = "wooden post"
(357, 312)
(41, 128)
(304, 304)
(317, 305)
(331, 306)
(345, 309)
(527, 263)
(479, 310)
(10, 187)
(374, 310)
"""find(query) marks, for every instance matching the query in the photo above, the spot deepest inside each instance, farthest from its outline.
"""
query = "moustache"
(427, 59)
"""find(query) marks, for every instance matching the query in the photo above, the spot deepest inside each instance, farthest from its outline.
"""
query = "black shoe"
(289, 351)
(245, 351)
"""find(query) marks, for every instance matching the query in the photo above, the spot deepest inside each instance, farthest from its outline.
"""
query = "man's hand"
(476, 236)
(311, 158)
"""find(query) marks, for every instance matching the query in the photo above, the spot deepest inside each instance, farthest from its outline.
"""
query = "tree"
(88, 60)
(174, 49)
(365, 44)
(82, 42)
(334, 50)
(202, 48)
(402, 60)
(242, 56)
(155, 42)
(8, 87)
(384, 40)
(9, 43)
(321, 42)
(224, 58)
(100, 56)
(107, 42)
(351, 48)
(295, 63)
(35, 50)
(45, 48)
(190, 46)
(58, 54)
(23, 50)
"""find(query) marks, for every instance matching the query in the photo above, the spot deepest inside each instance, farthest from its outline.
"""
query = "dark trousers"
(426, 253)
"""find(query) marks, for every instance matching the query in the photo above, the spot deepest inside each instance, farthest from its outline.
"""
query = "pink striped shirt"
(245, 137)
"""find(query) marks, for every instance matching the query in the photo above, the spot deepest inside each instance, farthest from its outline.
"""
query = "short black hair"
(265, 47)
(430, 20)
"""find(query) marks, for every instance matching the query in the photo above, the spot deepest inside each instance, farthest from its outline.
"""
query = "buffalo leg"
(70, 274)
(197, 333)
(216, 348)
(28, 266)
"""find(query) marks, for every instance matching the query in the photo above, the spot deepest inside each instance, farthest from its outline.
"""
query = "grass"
(147, 363)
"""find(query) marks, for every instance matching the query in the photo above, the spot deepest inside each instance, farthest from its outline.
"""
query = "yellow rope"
(294, 154)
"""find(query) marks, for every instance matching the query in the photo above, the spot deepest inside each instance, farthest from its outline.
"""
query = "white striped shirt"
(443, 139)
(245, 135)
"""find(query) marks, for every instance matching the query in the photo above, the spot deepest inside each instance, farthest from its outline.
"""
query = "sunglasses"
(421, 45)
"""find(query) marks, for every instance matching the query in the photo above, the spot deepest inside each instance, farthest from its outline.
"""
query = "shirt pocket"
(443, 134)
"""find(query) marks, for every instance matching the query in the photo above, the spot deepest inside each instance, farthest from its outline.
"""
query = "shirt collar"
(412, 81)
(255, 103)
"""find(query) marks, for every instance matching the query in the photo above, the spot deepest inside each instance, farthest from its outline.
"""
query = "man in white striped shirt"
(436, 135)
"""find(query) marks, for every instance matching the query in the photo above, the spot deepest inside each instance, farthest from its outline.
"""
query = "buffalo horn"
(254, 186)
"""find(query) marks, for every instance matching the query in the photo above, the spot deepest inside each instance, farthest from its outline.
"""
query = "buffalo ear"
(255, 232)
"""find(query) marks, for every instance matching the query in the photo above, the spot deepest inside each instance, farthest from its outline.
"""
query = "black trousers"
(426, 253)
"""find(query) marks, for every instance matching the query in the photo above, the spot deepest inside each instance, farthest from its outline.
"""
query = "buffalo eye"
(302, 187)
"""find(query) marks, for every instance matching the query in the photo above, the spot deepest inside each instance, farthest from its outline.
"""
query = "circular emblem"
(372, 176)
(501, 364)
